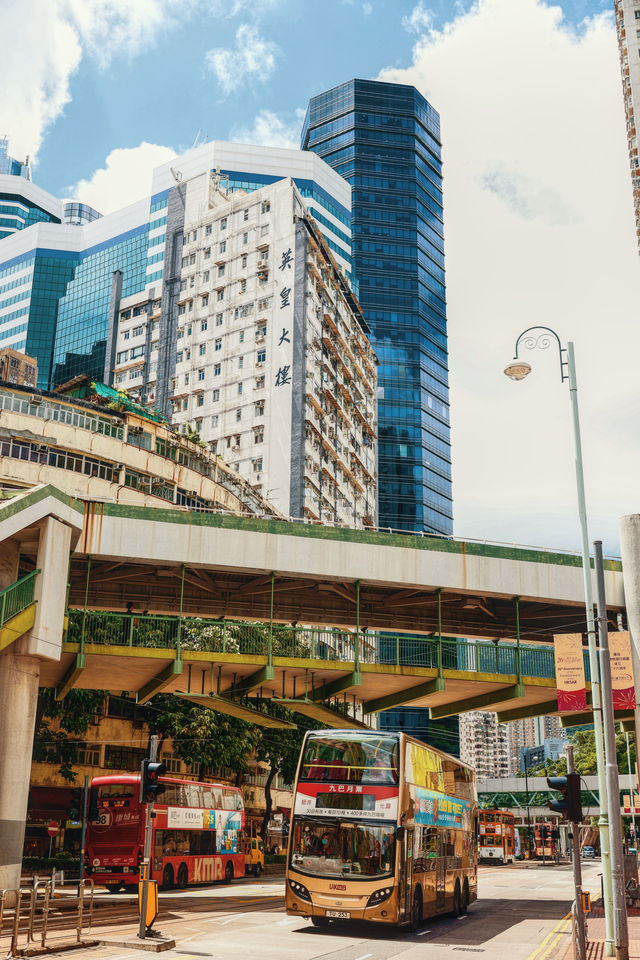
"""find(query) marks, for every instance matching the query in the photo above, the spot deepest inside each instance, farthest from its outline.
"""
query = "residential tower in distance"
(628, 30)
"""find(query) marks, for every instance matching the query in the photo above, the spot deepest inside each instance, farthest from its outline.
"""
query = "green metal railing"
(310, 643)
(17, 597)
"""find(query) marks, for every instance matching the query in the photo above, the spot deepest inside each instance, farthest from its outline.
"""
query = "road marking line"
(542, 950)
(364, 956)
(229, 919)
(421, 933)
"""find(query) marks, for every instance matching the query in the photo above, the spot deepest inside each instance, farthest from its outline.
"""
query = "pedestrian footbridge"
(217, 606)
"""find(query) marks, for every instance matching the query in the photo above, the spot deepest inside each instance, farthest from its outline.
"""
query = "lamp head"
(517, 369)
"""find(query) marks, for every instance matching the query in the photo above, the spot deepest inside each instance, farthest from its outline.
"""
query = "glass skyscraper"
(384, 139)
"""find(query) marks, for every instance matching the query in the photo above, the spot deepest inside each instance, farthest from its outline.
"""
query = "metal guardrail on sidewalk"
(26, 911)
(17, 597)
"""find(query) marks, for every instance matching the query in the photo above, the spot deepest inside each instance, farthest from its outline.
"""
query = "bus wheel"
(167, 877)
(320, 921)
(457, 900)
(183, 877)
(465, 897)
(228, 871)
(416, 910)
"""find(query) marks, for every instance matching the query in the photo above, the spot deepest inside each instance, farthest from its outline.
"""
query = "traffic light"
(570, 805)
(150, 786)
(544, 831)
(75, 806)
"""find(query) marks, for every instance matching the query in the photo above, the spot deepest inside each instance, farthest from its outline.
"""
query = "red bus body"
(197, 830)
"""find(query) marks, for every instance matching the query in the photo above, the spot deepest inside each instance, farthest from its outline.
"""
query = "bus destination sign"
(347, 800)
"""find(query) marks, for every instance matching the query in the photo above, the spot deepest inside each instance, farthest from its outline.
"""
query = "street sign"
(586, 901)
(53, 828)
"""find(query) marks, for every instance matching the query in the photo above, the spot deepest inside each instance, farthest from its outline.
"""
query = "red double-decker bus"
(197, 831)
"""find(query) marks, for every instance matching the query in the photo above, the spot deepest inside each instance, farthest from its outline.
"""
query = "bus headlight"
(300, 890)
(379, 896)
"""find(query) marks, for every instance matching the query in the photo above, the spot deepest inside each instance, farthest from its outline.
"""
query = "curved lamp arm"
(543, 341)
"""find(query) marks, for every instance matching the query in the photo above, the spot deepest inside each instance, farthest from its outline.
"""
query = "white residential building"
(628, 30)
(483, 744)
(258, 344)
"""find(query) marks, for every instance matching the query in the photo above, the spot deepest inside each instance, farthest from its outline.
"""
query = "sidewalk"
(596, 934)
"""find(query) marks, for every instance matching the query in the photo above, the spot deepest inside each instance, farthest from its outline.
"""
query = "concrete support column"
(630, 552)
(19, 679)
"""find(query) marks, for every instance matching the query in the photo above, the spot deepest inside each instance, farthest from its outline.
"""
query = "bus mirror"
(400, 834)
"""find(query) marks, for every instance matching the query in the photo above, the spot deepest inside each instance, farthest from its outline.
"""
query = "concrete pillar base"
(19, 680)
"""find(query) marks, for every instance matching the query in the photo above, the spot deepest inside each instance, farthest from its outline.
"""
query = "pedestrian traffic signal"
(569, 805)
(544, 831)
(150, 786)
(75, 806)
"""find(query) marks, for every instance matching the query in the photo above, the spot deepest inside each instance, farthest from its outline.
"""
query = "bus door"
(405, 875)
(441, 870)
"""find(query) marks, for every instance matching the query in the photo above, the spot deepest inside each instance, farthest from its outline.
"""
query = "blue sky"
(539, 224)
(163, 92)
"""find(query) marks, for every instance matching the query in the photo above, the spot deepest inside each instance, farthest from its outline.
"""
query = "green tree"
(201, 736)
(60, 725)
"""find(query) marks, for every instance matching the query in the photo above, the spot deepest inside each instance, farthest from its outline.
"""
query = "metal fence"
(310, 643)
(16, 597)
(31, 920)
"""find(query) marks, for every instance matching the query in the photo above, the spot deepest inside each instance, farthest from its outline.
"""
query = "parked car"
(588, 853)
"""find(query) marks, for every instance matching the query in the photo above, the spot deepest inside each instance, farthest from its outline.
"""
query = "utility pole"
(581, 933)
(84, 833)
(148, 831)
(632, 791)
(611, 769)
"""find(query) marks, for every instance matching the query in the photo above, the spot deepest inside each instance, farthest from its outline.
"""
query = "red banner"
(624, 694)
(570, 679)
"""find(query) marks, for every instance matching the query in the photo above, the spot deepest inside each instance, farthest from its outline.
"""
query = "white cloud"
(419, 20)
(539, 230)
(253, 57)
(125, 177)
(365, 6)
(45, 41)
(271, 130)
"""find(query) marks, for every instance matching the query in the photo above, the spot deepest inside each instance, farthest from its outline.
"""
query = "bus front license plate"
(338, 914)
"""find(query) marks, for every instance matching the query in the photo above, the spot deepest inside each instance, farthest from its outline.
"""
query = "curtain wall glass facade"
(384, 139)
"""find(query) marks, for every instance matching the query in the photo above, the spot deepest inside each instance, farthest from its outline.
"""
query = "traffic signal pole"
(620, 925)
(85, 801)
(581, 934)
(148, 831)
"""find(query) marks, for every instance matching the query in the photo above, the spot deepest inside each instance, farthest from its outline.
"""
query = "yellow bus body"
(424, 843)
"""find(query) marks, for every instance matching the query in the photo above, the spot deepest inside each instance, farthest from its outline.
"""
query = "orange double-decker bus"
(497, 836)
(384, 828)
(197, 831)
(545, 840)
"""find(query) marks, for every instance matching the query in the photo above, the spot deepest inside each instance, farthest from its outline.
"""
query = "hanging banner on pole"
(624, 695)
(570, 679)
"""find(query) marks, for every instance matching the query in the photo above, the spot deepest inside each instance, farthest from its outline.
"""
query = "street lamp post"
(518, 369)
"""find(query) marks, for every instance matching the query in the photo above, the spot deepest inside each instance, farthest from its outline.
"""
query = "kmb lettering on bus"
(207, 869)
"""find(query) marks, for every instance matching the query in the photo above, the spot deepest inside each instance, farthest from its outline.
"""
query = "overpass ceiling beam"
(334, 687)
(244, 686)
(577, 719)
(342, 590)
(437, 685)
(69, 680)
(164, 678)
(491, 699)
(533, 710)
(628, 726)
(212, 701)
(321, 713)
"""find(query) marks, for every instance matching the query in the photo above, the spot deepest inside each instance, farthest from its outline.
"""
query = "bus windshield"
(339, 848)
(352, 758)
